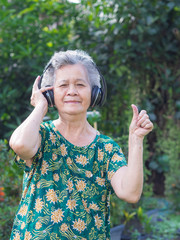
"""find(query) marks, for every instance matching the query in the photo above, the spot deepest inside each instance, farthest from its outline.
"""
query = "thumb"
(135, 112)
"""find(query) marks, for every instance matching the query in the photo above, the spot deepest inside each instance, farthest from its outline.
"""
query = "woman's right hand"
(37, 98)
(26, 140)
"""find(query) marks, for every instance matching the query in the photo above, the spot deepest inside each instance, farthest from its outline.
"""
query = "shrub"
(10, 185)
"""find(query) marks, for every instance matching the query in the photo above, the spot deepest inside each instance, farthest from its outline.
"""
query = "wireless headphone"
(98, 95)
(49, 94)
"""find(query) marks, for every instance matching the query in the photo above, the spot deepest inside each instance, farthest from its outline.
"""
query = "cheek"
(88, 94)
(89, 97)
(58, 95)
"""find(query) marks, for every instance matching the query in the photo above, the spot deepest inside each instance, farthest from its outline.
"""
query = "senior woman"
(70, 168)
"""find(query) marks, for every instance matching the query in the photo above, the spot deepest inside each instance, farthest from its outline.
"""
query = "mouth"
(72, 102)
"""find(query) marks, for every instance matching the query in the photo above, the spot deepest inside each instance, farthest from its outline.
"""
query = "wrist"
(42, 107)
(134, 139)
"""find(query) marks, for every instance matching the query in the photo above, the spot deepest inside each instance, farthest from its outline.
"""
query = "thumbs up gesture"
(140, 124)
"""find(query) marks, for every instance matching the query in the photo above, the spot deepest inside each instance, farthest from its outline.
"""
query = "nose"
(72, 90)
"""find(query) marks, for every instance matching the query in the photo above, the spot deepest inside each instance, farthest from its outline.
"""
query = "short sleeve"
(22, 163)
(116, 159)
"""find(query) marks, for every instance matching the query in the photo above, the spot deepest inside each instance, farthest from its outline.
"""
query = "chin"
(74, 111)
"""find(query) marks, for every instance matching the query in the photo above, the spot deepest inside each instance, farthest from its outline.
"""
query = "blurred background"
(136, 45)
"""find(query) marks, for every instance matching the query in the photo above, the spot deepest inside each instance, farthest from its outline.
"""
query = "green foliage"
(11, 181)
(117, 210)
(171, 148)
(166, 227)
(128, 216)
(30, 33)
(93, 117)
(137, 223)
(144, 220)
(9, 172)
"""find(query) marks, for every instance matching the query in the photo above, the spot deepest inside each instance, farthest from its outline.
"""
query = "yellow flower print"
(100, 154)
(51, 196)
(54, 156)
(57, 216)
(24, 192)
(103, 197)
(100, 181)
(44, 167)
(39, 205)
(40, 155)
(82, 160)
(32, 188)
(30, 174)
(79, 225)
(71, 204)
(64, 227)
(52, 138)
(120, 150)
(23, 225)
(109, 219)
(39, 184)
(81, 185)
(28, 235)
(70, 185)
(23, 210)
(117, 158)
(92, 145)
(110, 175)
(38, 225)
(17, 237)
(93, 206)
(56, 177)
(98, 221)
(88, 174)
(85, 205)
(69, 161)
(109, 147)
(63, 150)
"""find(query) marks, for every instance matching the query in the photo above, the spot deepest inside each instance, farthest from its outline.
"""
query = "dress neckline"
(71, 144)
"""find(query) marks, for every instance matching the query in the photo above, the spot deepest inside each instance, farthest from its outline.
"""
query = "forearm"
(25, 139)
(133, 181)
(127, 182)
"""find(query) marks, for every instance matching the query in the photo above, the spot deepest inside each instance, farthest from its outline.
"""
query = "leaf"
(27, 10)
(171, 5)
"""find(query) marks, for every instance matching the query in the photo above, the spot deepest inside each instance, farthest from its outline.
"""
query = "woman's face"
(72, 90)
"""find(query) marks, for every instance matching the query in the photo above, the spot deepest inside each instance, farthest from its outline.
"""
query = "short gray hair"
(71, 57)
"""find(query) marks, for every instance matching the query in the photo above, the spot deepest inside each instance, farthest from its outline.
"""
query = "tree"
(30, 32)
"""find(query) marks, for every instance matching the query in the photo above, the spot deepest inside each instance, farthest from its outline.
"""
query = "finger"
(141, 114)
(145, 123)
(142, 119)
(149, 126)
(35, 85)
(44, 89)
(135, 112)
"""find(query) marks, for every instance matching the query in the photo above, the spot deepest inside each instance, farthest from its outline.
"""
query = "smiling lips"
(72, 101)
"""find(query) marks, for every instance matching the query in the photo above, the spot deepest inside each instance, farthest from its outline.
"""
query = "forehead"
(69, 72)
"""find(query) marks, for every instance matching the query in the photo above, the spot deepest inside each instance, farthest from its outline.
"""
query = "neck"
(73, 126)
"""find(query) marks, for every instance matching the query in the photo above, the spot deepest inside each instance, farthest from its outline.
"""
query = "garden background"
(136, 45)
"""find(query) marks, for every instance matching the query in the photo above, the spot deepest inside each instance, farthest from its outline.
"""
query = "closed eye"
(63, 85)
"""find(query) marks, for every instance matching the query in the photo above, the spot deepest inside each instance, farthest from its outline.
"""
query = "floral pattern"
(66, 191)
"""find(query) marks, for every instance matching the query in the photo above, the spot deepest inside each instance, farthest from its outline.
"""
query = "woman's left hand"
(140, 125)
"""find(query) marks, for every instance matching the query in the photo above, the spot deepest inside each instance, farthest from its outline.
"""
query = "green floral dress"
(66, 191)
